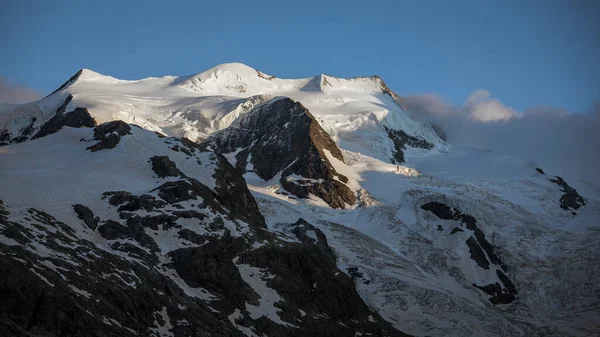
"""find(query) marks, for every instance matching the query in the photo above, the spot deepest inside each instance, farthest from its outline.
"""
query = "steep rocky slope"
(173, 245)
(282, 138)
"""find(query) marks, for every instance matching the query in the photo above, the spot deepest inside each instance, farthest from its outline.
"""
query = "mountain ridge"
(195, 106)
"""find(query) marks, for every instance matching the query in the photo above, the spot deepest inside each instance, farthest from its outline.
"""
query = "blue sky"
(526, 53)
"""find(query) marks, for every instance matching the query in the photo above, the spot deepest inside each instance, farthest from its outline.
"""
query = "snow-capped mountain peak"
(228, 79)
(197, 105)
(90, 75)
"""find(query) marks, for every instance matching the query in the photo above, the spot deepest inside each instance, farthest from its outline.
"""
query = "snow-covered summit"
(86, 75)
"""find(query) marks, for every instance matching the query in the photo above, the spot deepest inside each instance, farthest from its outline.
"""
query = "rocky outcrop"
(309, 234)
(456, 230)
(4, 137)
(477, 253)
(86, 214)
(401, 139)
(80, 117)
(281, 137)
(109, 135)
(232, 192)
(25, 132)
(77, 118)
(306, 276)
(498, 296)
(164, 167)
(481, 251)
(440, 210)
(117, 198)
(130, 203)
(570, 200)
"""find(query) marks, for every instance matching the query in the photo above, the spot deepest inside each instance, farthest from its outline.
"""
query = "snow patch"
(254, 277)
(237, 314)
(162, 329)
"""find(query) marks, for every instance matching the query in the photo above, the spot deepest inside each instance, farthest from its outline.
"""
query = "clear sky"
(525, 53)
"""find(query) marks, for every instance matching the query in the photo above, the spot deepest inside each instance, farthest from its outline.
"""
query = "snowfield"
(409, 264)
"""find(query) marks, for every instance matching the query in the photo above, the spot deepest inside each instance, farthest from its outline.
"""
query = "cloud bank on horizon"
(563, 142)
(16, 94)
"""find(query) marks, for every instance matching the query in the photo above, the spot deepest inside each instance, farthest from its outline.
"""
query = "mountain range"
(236, 203)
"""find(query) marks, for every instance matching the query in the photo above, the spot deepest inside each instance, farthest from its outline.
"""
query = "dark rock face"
(192, 236)
(456, 230)
(96, 294)
(211, 267)
(570, 200)
(303, 229)
(63, 107)
(187, 146)
(498, 296)
(145, 201)
(164, 167)
(401, 140)
(539, 170)
(233, 193)
(477, 253)
(190, 145)
(309, 270)
(119, 197)
(282, 136)
(112, 230)
(506, 281)
(154, 222)
(354, 273)
(490, 289)
(4, 136)
(80, 117)
(181, 190)
(502, 298)
(26, 132)
(480, 249)
(86, 215)
(109, 134)
(178, 148)
(440, 210)
(489, 249)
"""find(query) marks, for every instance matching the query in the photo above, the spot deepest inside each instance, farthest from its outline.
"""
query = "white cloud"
(561, 142)
(483, 107)
(478, 96)
(15, 93)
